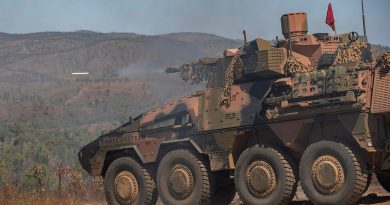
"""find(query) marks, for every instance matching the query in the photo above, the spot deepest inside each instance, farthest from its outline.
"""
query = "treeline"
(377, 50)
(41, 167)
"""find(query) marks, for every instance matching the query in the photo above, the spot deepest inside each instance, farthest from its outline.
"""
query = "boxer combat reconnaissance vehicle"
(309, 108)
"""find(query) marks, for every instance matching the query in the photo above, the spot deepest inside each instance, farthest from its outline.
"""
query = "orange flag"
(330, 18)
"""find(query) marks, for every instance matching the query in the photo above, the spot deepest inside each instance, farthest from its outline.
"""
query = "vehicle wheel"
(332, 173)
(265, 175)
(384, 180)
(183, 178)
(126, 182)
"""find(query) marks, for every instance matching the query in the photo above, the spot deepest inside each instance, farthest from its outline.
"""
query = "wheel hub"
(126, 187)
(328, 174)
(260, 178)
(180, 181)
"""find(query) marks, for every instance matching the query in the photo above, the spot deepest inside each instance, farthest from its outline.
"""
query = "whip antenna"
(364, 20)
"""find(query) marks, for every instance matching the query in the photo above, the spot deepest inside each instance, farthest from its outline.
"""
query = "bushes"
(42, 168)
(38, 185)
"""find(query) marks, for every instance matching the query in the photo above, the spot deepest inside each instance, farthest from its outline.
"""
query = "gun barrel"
(172, 70)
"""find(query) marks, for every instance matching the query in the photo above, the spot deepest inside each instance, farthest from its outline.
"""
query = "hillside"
(36, 68)
(47, 114)
(48, 56)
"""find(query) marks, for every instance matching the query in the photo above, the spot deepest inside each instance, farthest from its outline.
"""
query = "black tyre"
(333, 173)
(265, 175)
(127, 183)
(384, 180)
(184, 179)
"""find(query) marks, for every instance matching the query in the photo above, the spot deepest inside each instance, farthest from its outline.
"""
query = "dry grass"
(85, 194)
(9, 195)
(13, 197)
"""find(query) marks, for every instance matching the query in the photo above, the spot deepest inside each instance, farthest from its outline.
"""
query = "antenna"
(364, 19)
(244, 33)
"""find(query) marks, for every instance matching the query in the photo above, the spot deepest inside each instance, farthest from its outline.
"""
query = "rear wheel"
(184, 179)
(127, 183)
(384, 180)
(264, 175)
(333, 173)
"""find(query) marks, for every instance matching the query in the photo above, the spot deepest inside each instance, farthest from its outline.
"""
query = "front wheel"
(127, 183)
(333, 173)
(265, 175)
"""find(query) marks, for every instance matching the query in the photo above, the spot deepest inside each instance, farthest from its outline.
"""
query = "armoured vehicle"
(309, 108)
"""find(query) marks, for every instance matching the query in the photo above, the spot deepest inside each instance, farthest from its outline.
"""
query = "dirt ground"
(375, 195)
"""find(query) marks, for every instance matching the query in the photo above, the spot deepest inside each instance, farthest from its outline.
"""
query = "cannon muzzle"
(172, 70)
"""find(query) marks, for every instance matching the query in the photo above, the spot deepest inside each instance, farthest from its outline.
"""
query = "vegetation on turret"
(193, 73)
(229, 79)
(383, 60)
(351, 52)
(294, 66)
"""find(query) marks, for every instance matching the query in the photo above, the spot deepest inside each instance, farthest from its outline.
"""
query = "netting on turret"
(194, 73)
(351, 52)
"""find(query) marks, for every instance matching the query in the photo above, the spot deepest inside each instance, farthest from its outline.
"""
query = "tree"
(37, 177)
(3, 169)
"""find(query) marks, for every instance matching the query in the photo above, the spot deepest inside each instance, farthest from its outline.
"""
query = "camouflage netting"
(193, 73)
(383, 60)
(294, 66)
(351, 52)
(229, 79)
